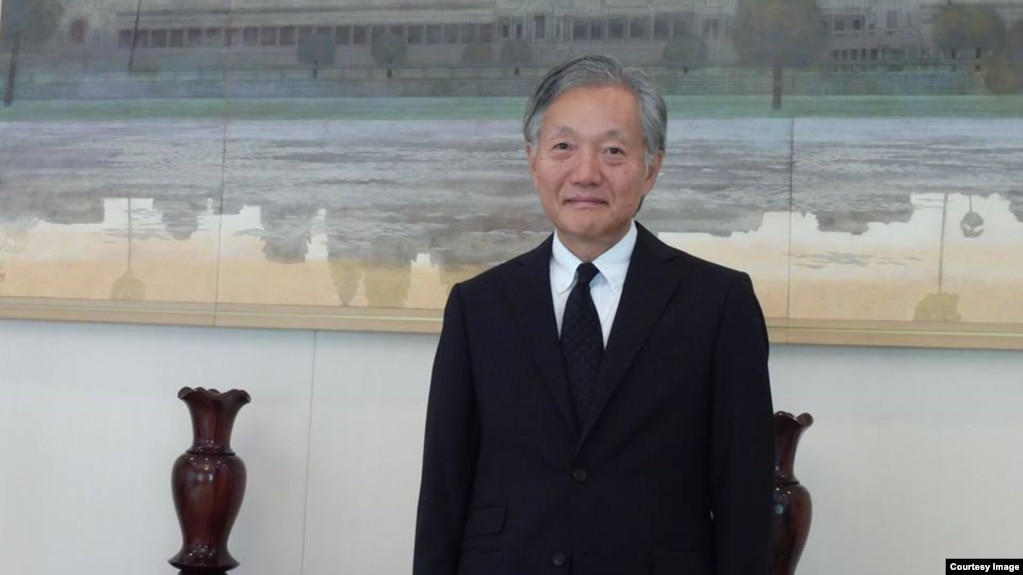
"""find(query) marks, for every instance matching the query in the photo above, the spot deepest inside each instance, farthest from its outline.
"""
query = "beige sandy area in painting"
(862, 292)
(981, 302)
(872, 277)
(968, 279)
(166, 270)
(248, 278)
(763, 254)
(987, 283)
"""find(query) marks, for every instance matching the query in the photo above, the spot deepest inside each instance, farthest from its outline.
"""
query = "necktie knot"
(585, 273)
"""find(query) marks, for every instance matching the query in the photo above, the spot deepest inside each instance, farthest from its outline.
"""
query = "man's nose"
(586, 171)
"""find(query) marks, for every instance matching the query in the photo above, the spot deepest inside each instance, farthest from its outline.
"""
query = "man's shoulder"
(710, 269)
(487, 278)
(509, 269)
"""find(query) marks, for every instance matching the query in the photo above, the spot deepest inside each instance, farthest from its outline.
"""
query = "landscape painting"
(326, 164)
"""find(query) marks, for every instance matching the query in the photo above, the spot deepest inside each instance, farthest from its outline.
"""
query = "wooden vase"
(792, 505)
(208, 482)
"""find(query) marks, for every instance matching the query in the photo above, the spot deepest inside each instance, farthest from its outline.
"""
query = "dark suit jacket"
(673, 470)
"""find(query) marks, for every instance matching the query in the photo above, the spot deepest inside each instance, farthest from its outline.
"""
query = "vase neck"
(211, 429)
(787, 440)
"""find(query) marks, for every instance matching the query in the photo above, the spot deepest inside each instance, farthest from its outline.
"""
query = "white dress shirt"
(606, 287)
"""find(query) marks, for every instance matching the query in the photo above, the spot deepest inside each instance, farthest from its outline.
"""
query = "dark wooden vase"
(208, 482)
(792, 506)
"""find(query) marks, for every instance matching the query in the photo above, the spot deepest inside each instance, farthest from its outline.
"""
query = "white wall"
(916, 455)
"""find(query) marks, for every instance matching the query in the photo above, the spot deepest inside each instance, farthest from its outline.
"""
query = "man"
(623, 429)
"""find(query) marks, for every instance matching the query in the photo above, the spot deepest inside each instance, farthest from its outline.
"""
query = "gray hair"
(599, 70)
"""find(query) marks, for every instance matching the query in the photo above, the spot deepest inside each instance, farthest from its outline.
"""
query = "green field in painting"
(412, 108)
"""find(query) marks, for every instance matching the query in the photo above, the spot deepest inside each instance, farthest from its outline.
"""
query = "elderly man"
(599, 405)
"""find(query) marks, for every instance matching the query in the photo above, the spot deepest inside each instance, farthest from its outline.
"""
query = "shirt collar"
(613, 263)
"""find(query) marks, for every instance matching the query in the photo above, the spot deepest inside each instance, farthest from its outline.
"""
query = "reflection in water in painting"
(391, 214)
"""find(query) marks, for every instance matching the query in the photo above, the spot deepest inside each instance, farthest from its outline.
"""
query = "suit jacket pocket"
(485, 521)
(682, 563)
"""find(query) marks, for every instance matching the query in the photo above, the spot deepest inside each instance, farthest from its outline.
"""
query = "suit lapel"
(530, 292)
(648, 287)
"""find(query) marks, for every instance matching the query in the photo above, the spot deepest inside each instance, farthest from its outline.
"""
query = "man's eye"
(560, 146)
(615, 151)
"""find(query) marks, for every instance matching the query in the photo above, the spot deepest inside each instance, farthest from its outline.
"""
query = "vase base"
(182, 570)
(209, 568)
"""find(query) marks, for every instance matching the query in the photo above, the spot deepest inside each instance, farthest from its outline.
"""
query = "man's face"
(589, 166)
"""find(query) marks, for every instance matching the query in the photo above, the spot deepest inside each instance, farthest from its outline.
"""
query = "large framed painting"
(340, 164)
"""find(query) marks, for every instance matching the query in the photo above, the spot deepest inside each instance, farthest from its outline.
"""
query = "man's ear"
(655, 169)
(530, 155)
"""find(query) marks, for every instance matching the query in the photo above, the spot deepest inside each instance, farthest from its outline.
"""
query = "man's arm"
(742, 449)
(449, 452)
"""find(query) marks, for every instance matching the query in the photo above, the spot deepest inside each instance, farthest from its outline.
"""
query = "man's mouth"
(585, 201)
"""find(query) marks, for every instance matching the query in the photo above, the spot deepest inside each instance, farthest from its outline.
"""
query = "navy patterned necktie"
(582, 342)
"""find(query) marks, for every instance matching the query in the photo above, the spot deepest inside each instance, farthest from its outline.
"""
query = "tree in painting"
(684, 51)
(516, 53)
(477, 54)
(1004, 63)
(25, 23)
(778, 33)
(958, 28)
(1012, 57)
(390, 50)
(980, 32)
(316, 50)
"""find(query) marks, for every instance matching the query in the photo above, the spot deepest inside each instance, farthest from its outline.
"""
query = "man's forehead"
(561, 129)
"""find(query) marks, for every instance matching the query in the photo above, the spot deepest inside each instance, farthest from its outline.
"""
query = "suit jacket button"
(559, 559)
(579, 475)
